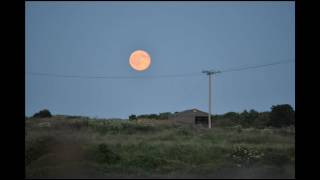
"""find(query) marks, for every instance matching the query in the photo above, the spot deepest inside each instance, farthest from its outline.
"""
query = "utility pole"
(209, 73)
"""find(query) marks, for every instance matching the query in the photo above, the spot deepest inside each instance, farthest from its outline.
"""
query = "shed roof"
(188, 114)
(192, 112)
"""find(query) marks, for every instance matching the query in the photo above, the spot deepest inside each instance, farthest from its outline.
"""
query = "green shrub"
(42, 114)
(244, 156)
(282, 115)
(35, 148)
(105, 155)
(132, 117)
(117, 127)
(77, 124)
(164, 115)
(184, 131)
(148, 161)
(238, 128)
(279, 157)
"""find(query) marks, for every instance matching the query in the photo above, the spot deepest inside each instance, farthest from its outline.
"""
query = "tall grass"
(126, 149)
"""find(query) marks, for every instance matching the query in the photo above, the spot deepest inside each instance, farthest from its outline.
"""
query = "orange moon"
(140, 60)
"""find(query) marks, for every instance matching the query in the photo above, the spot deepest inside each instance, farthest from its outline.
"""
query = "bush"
(245, 156)
(147, 161)
(231, 116)
(262, 120)
(106, 155)
(148, 116)
(248, 118)
(226, 122)
(279, 157)
(164, 115)
(42, 114)
(281, 116)
(77, 125)
(184, 131)
(35, 148)
(116, 127)
(132, 117)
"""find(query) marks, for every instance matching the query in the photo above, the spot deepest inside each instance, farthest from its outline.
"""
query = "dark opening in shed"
(201, 120)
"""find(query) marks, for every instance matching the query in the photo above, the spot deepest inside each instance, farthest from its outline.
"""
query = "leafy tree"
(231, 116)
(132, 117)
(227, 120)
(281, 115)
(164, 115)
(148, 116)
(141, 116)
(153, 116)
(248, 118)
(253, 114)
(42, 114)
(262, 120)
(244, 118)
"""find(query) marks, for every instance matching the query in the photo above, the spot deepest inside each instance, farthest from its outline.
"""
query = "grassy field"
(60, 147)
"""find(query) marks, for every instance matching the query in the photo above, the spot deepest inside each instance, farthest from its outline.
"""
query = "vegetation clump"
(42, 114)
(105, 155)
(244, 156)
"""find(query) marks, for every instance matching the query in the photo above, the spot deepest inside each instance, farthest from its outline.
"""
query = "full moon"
(140, 60)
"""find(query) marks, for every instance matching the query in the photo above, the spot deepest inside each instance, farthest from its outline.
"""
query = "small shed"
(192, 117)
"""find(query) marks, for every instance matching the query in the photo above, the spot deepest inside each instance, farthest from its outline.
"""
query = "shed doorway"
(201, 120)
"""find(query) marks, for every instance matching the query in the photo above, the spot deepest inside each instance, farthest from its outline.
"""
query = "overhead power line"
(152, 76)
(113, 77)
(255, 67)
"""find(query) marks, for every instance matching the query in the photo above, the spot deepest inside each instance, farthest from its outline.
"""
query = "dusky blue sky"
(97, 38)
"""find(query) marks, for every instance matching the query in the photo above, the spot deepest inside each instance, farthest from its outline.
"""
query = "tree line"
(280, 116)
(160, 116)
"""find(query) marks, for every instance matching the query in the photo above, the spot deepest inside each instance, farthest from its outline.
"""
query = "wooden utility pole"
(209, 73)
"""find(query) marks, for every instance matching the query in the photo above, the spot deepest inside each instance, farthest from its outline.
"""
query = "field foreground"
(60, 147)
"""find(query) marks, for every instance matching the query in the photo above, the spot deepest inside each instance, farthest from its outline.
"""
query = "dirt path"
(66, 159)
